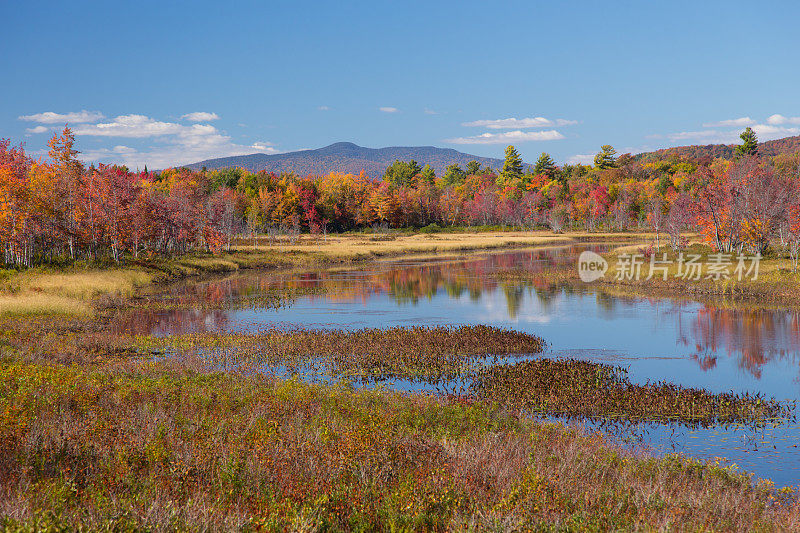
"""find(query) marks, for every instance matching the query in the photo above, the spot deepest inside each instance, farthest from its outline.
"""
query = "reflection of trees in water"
(168, 322)
(203, 306)
(755, 336)
(514, 295)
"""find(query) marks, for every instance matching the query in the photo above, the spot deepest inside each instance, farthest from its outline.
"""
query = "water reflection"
(713, 345)
(754, 336)
(468, 291)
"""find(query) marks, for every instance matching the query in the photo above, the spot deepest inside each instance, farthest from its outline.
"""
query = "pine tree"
(454, 175)
(473, 168)
(607, 158)
(401, 172)
(545, 165)
(427, 175)
(749, 144)
(512, 166)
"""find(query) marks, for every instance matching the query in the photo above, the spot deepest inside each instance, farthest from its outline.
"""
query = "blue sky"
(165, 83)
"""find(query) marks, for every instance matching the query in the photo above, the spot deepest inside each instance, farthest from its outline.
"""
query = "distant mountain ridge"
(347, 157)
(709, 152)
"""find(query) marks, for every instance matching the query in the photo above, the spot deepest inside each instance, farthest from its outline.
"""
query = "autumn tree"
(762, 196)
(69, 173)
(656, 213)
(679, 218)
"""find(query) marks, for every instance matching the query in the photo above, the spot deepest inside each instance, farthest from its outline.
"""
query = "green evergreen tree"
(545, 165)
(454, 175)
(749, 144)
(473, 168)
(512, 166)
(607, 158)
(402, 172)
(427, 174)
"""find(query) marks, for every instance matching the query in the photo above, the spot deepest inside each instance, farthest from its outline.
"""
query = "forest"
(58, 209)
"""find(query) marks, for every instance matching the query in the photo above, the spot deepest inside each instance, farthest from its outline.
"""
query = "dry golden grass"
(353, 247)
(36, 292)
(775, 283)
(32, 303)
(84, 285)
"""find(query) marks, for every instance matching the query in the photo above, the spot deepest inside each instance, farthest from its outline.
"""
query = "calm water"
(719, 347)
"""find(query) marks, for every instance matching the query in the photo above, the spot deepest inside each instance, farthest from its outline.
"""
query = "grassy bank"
(129, 445)
(775, 282)
(775, 286)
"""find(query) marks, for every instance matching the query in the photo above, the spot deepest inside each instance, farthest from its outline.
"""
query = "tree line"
(59, 209)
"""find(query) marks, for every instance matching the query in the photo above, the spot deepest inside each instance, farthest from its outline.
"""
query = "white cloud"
(565, 122)
(583, 159)
(705, 136)
(37, 129)
(324, 108)
(174, 144)
(389, 109)
(134, 126)
(519, 123)
(179, 152)
(517, 136)
(124, 150)
(266, 146)
(740, 122)
(767, 132)
(777, 120)
(48, 117)
(430, 112)
(200, 116)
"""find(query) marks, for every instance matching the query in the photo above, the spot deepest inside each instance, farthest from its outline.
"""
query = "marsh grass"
(477, 362)
(357, 247)
(40, 292)
(429, 354)
(31, 304)
(586, 390)
(775, 282)
(97, 435)
(163, 447)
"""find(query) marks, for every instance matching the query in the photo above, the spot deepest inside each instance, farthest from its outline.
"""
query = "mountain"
(709, 152)
(347, 157)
